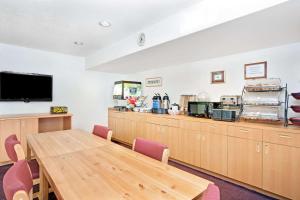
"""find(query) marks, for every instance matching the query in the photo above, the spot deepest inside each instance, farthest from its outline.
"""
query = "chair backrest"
(152, 149)
(103, 132)
(14, 149)
(211, 193)
(17, 182)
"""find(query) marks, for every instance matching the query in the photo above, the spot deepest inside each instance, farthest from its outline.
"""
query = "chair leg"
(36, 195)
(36, 181)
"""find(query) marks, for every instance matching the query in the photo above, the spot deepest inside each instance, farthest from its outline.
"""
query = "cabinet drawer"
(163, 121)
(279, 137)
(116, 114)
(190, 125)
(220, 129)
(129, 115)
(245, 132)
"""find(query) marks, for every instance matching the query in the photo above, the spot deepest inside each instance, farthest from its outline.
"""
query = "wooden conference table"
(79, 165)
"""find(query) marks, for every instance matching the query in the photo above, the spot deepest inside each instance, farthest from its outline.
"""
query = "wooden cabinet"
(281, 170)
(266, 157)
(22, 125)
(28, 126)
(245, 160)
(7, 128)
(214, 148)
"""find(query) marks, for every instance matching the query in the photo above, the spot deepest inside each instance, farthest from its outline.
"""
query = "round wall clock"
(141, 39)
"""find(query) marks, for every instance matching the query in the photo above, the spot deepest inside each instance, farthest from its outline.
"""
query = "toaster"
(231, 100)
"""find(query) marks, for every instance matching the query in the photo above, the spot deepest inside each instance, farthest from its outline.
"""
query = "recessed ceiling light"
(78, 43)
(105, 23)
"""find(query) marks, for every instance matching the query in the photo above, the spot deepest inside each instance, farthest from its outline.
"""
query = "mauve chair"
(15, 152)
(211, 193)
(17, 182)
(151, 149)
(102, 132)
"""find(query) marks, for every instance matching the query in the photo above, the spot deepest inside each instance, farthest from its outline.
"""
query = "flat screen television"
(25, 87)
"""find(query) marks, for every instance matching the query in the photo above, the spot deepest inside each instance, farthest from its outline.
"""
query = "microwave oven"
(202, 109)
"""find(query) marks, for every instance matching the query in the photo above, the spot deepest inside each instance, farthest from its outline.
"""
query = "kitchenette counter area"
(261, 156)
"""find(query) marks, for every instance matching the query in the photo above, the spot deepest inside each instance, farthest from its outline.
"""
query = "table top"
(97, 169)
(62, 142)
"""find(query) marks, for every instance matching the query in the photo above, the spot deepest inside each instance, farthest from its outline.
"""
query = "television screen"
(25, 87)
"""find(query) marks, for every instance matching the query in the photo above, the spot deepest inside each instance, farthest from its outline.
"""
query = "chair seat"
(34, 168)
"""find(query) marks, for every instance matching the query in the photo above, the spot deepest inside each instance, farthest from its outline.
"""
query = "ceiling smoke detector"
(78, 43)
(105, 23)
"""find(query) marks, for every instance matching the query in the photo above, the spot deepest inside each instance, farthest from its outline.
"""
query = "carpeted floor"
(229, 191)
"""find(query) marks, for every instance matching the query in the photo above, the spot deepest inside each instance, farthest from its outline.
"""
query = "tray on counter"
(263, 89)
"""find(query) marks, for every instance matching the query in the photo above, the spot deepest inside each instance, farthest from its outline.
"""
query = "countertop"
(277, 127)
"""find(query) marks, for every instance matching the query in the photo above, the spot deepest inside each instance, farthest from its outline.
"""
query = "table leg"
(44, 185)
(28, 156)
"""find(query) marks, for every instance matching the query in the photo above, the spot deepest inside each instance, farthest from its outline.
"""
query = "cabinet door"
(171, 137)
(28, 126)
(245, 160)
(214, 153)
(184, 144)
(281, 170)
(112, 124)
(140, 128)
(152, 132)
(119, 128)
(124, 130)
(129, 131)
(7, 128)
(190, 147)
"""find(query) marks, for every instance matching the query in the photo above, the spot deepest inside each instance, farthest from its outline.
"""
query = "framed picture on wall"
(218, 77)
(255, 70)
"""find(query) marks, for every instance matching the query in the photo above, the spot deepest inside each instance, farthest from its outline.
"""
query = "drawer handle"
(285, 136)
(266, 149)
(257, 148)
(244, 130)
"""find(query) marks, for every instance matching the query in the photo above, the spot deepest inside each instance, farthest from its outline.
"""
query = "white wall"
(86, 93)
(193, 78)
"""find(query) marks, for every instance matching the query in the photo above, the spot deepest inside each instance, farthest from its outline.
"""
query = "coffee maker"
(160, 105)
(124, 90)
(166, 102)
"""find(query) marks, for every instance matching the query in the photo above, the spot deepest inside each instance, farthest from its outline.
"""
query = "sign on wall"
(153, 82)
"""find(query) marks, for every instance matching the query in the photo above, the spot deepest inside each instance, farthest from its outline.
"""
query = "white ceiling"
(54, 25)
(275, 26)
